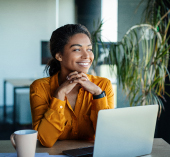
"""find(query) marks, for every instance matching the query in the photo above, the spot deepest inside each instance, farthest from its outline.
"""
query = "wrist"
(103, 94)
(60, 94)
(98, 92)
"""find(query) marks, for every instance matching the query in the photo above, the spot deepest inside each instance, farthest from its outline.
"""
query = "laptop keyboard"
(88, 155)
(80, 152)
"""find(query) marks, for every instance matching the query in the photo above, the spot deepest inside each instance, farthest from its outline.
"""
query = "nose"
(85, 54)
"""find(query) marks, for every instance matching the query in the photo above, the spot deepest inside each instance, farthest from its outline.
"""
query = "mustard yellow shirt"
(56, 120)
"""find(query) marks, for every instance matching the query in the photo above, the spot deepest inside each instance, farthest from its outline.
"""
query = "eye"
(89, 50)
(76, 50)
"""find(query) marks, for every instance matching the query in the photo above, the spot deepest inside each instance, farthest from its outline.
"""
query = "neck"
(61, 78)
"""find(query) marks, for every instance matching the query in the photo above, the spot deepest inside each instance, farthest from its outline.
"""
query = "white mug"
(24, 141)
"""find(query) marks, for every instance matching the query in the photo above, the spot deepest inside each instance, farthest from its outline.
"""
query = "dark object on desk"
(80, 152)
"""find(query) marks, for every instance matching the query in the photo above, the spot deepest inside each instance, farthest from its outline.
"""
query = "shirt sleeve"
(106, 102)
(47, 119)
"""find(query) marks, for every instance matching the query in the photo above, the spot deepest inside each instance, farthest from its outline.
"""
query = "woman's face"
(77, 54)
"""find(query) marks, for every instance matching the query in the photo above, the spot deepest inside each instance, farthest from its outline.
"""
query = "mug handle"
(12, 140)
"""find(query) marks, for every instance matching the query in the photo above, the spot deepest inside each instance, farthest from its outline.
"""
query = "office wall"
(127, 17)
(66, 14)
(23, 24)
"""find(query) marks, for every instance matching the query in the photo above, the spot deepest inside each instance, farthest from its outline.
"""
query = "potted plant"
(141, 58)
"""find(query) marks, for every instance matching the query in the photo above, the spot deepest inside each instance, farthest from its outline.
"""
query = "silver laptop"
(122, 132)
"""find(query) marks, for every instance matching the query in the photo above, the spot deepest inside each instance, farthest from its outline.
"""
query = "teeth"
(83, 63)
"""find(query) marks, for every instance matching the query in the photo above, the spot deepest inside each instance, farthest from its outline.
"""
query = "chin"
(83, 70)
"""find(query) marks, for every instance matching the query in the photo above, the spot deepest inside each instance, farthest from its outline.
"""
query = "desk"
(17, 84)
(160, 147)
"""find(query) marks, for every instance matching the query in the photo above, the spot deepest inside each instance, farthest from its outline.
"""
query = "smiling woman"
(66, 104)
(78, 55)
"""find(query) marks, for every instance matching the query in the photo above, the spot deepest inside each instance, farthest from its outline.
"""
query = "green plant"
(154, 11)
(142, 67)
(141, 59)
(96, 39)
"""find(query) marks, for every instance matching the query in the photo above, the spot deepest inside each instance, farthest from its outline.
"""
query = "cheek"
(69, 59)
(92, 56)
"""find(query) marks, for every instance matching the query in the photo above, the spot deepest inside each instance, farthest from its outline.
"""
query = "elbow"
(46, 143)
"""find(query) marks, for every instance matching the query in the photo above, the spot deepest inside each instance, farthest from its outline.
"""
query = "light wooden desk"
(160, 147)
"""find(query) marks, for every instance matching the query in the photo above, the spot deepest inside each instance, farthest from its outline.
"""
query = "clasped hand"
(76, 78)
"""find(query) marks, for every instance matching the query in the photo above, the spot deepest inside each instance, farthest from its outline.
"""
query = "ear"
(58, 56)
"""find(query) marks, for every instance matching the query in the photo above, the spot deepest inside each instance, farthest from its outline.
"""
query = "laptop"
(122, 132)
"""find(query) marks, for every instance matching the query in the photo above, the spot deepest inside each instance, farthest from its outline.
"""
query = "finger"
(76, 76)
(72, 73)
(84, 75)
(79, 80)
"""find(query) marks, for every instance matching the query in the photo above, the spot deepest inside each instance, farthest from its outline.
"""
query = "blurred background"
(25, 29)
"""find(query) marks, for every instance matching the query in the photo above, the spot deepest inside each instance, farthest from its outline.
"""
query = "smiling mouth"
(84, 64)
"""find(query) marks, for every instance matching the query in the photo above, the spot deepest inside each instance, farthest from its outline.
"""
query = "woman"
(65, 105)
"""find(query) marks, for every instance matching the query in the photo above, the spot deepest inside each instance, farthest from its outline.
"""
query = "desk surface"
(20, 82)
(160, 147)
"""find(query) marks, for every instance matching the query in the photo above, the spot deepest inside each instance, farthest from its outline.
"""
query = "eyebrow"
(79, 45)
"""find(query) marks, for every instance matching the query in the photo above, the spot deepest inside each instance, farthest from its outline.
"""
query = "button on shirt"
(56, 120)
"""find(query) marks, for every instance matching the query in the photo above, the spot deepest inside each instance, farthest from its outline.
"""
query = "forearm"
(48, 134)
(98, 104)
(50, 129)
(106, 102)
(51, 123)
(60, 94)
